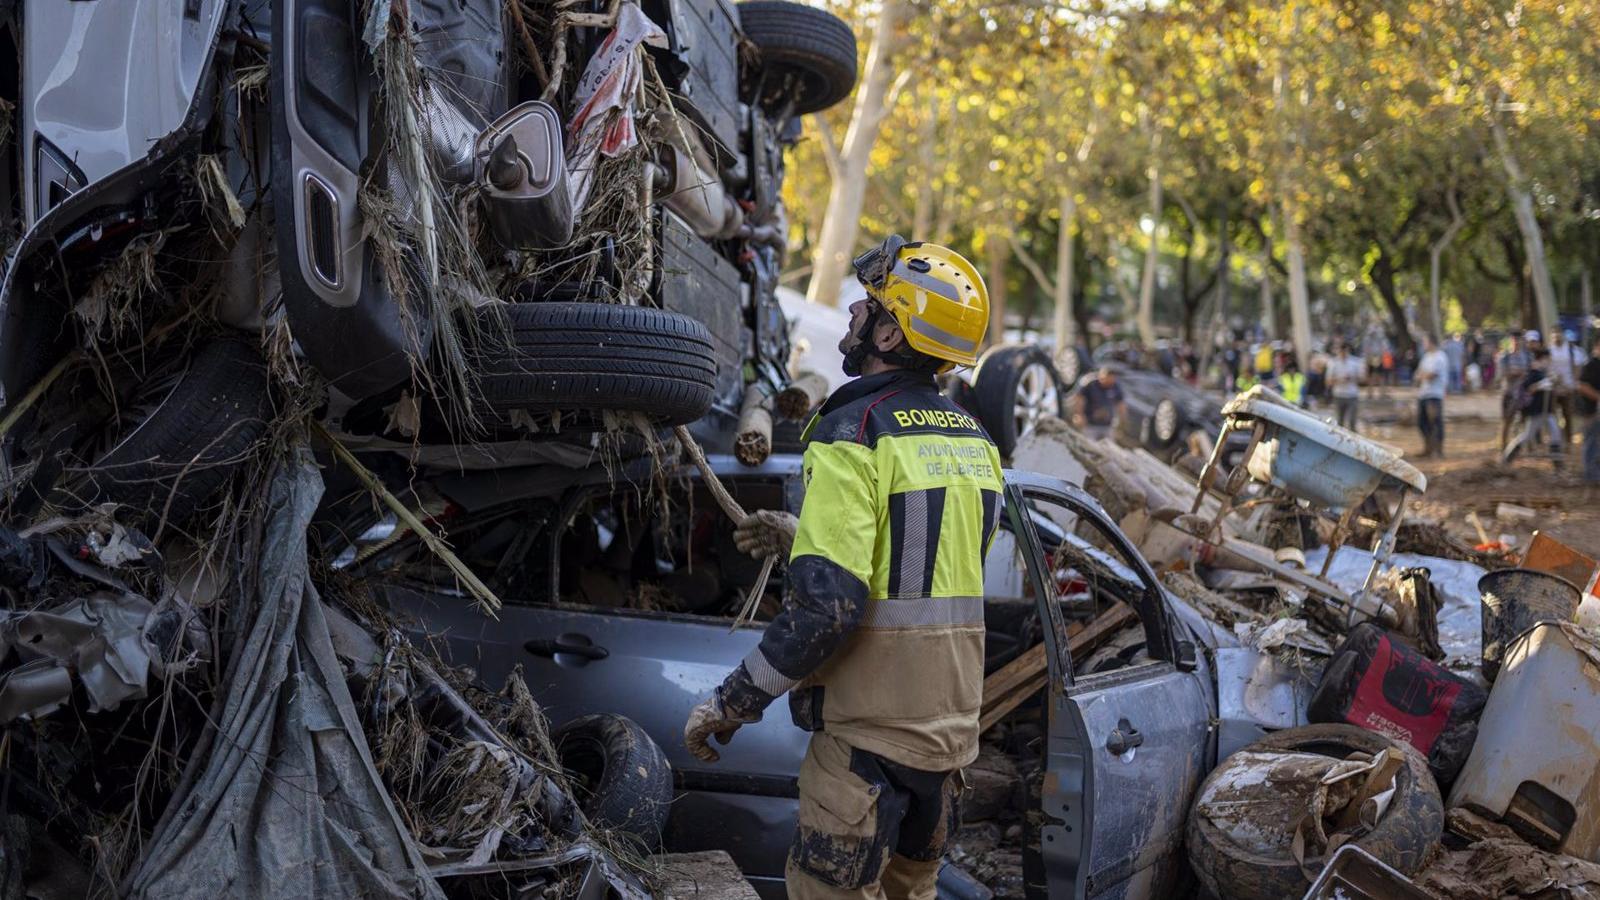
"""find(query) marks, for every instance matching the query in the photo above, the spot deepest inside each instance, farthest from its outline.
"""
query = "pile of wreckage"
(194, 702)
(1426, 715)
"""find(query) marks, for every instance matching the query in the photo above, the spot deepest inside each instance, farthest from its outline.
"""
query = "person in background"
(1455, 351)
(1232, 357)
(1292, 383)
(1344, 384)
(1587, 390)
(1565, 360)
(1513, 365)
(1432, 376)
(1264, 361)
(1539, 405)
(1317, 380)
(1098, 407)
(1474, 354)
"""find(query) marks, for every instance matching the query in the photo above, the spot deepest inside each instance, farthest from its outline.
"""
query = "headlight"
(1166, 420)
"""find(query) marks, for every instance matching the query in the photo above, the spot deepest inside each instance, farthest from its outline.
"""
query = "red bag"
(1387, 686)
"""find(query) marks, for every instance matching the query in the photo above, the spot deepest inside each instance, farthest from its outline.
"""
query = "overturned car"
(478, 223)
(246, 237)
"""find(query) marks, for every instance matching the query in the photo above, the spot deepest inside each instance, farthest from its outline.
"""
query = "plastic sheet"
(1460, 618)
(282, 798)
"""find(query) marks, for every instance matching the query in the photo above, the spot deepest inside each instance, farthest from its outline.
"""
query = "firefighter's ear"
(887, 335)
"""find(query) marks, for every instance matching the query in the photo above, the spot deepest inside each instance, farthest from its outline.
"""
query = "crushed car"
(621, 599)
(325, 237)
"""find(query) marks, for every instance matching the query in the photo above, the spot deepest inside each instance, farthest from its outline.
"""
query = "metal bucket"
(1515, 600)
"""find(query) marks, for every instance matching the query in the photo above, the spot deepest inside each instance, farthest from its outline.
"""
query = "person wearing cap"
(879, 644)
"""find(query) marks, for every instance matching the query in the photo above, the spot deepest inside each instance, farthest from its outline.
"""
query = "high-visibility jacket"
(880, 642)
(1293, 387)
(1263, 364)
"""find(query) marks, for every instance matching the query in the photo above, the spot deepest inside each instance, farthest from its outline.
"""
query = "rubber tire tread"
(215, 413)
(633, 792)
(994, 391)
(1410, 827)
(807, 38)
(577, 357)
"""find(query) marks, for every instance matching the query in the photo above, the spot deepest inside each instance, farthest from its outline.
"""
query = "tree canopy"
(1195, 148)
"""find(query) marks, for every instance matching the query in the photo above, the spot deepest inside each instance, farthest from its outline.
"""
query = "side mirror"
(1186, 660)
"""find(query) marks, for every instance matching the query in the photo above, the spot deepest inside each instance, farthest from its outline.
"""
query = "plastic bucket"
(1515, 600)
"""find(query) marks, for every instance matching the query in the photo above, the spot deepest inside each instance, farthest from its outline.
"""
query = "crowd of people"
(1549, 390)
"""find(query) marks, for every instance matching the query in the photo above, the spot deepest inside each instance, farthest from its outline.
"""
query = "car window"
(665, 549)
(1093, 571)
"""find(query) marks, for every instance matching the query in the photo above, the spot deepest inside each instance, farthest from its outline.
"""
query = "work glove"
(766, 532)
(705, 720)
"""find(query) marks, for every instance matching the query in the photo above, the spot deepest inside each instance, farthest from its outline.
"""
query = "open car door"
(1127, 745)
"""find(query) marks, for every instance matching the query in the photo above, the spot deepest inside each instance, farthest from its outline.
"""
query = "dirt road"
(1471, 478)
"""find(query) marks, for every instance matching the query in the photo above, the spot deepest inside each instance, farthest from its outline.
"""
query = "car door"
(652, 668)
(1126, 749)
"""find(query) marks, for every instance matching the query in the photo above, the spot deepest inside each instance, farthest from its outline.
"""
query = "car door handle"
(1123, 738)
(571, 645)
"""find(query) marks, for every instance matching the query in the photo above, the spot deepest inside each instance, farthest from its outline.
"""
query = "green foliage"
(1367, 119)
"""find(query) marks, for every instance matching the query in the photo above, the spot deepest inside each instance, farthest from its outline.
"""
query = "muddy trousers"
(869, 827)
(1430, 421)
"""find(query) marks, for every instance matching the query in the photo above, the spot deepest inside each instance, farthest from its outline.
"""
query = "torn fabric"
(281, 799)
(605, 99)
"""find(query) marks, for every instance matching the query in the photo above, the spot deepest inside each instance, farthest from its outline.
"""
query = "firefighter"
(880, 642)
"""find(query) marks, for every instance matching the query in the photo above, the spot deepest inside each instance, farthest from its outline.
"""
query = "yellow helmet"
(935, 295)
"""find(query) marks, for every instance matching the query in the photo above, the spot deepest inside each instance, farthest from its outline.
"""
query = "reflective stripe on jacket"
(880, 642)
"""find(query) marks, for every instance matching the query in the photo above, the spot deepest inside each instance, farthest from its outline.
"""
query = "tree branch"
(1044, 281)
(901, 79)
(830, 146)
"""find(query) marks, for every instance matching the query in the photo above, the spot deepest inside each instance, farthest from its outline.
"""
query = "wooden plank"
(1547, 554)
(1011, 685)
(1027, 664)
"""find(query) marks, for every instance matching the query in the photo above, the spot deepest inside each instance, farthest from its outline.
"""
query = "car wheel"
(1069, 365)
(620, 776)
(1402, 838)
(582, 358)
(1014, 387)
(801, 45)
(191, 432)
(1164, 422)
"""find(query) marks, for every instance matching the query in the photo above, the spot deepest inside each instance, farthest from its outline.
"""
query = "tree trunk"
(1585, 295)
(1435, 253)
(1544, 292)
(1224, 270)
(842, 222)
(927, 144)
(1065, 339)
(1382, 275)
(1147, 278)
(998, 251)
(1299, 296)
(1269, 317)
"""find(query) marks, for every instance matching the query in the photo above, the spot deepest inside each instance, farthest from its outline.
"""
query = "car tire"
(621, 777)
(1004, 375)
(201, 429)
(581, 358)
(814, 45)
(1402, 838)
